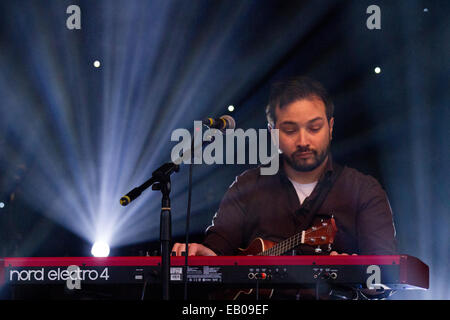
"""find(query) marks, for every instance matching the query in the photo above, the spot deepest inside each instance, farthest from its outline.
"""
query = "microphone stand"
(160, 180)
(162, 183)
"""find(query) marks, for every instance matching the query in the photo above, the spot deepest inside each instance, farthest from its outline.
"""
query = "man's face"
(304, 133)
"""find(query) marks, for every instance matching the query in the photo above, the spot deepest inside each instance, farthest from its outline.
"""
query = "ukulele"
(318, 235)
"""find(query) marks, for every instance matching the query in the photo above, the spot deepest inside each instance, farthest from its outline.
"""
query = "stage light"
(425, 10)
(231, 108)
(377, 70)
(2, 205)
(100, 249)
(96, 63)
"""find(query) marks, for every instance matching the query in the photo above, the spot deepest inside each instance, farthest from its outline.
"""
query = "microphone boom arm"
(165, 170)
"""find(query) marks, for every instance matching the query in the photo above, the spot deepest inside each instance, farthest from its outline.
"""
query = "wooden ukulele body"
(322, 233)
(258, 245)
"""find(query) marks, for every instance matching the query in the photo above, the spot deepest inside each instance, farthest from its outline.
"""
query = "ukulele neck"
(284, 246)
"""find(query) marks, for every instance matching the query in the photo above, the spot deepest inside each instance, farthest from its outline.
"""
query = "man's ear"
(274, 135)
(330, 124)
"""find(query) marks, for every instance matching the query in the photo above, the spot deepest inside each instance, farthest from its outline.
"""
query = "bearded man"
(275, 207)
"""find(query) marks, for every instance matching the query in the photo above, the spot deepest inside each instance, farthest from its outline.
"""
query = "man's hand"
(334, 253)
(195, 249)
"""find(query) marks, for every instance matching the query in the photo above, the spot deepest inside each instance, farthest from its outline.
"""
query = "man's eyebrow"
(288, 123)
(315, 119)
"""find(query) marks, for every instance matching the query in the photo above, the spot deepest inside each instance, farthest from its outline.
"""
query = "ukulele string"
(283, 246)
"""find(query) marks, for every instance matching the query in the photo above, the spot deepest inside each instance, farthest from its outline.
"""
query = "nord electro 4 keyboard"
(394, 272)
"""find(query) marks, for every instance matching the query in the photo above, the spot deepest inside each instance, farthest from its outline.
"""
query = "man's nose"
(302, 139)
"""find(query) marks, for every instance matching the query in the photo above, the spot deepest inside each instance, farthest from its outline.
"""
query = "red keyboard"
(393, 272)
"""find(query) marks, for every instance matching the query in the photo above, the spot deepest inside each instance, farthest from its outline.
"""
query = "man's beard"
(305, 164)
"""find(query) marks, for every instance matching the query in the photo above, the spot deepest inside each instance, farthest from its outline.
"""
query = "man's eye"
(314, 129)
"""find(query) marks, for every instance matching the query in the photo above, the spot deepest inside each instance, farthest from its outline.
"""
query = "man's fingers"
(179, 248)
(175, 248)
(192, 250)
(334, 253)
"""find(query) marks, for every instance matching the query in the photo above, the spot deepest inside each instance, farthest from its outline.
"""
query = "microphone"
(223, 123)
(130, 196)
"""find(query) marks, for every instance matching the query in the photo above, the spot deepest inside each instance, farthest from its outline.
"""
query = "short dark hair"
(292, 89)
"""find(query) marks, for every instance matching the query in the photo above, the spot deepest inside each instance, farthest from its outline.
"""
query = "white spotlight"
(100, 249)
(96, 63)
(377, 70)
(2, 205)
(231, 108)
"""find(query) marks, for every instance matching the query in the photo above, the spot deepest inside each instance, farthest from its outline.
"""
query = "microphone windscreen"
(231, 124)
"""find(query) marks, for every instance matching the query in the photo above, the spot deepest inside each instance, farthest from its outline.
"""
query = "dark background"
(70, 132)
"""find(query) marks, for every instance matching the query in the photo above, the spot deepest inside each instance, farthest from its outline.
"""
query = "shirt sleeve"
(375, 226)
(224, 235)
